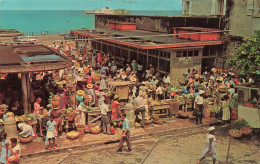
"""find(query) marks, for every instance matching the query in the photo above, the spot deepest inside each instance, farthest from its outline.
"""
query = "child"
(15, 151)
(4, 151)
(51, 131)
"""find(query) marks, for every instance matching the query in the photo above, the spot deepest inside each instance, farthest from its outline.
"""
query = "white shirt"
(17, 147)
(166, 80)
(103, 109)
(159, 90)
(199, 100)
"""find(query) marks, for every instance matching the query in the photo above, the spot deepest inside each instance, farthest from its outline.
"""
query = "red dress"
(99, 58)
(89, 80)
(115, 112)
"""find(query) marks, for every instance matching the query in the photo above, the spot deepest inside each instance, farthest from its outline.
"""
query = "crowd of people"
(92, 70)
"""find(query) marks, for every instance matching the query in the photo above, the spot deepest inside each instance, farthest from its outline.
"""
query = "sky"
(90, 4)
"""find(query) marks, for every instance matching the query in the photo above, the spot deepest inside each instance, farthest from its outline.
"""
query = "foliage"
(238, 124)
(121, 12)
(247, 57)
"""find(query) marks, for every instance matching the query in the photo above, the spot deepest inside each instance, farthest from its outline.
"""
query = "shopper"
(199, 107)
(125, 134)
(210, 147)
(51, 132)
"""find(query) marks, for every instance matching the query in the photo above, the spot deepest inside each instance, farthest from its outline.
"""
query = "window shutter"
(250, 7)
(225, 7)
(190, 8)
(183, 7)
(213, 7)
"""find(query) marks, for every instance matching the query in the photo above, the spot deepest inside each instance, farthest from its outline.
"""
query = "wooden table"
(164, 109)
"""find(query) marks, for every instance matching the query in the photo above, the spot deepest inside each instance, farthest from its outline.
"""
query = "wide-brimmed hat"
(132, 79)
(211, 129)
(88, 66)
(201, 92)
(143, 83)
(80, 92)
(154, 77)
(150, 65)
(89, 86)
(222, 88)
(214, 69)
(220, 78)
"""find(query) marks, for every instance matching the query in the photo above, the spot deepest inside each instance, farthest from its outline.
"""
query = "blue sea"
(42, 22)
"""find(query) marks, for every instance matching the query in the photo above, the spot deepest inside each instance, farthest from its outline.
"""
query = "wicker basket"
(25, 140)
(95, 129)
(146, 122)
(55, 104)
(246, 130)
(72, 137)
(235, 133)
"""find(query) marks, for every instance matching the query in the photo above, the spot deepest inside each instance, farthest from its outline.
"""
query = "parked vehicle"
(24, 39)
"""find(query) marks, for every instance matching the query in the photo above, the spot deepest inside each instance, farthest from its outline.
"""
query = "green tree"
(121, 12)
(247, 57)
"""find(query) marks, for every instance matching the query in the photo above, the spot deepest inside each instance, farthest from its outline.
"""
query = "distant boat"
(101, 11)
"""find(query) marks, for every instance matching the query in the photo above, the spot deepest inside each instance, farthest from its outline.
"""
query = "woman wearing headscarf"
(26, 130)
(210, 147)
(116, 113)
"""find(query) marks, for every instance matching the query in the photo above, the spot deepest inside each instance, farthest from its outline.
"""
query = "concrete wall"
(240, 20)
(159, 23)
(196, 7)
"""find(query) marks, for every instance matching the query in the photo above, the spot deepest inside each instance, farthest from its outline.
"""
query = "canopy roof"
(30, 58)
(141, 39)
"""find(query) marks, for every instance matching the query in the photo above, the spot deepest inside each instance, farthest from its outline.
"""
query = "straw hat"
(123, 73)
(88, 66)
(150, 65)
(89, 86)
(154, 77)
(214, 69)
(222, 88)
(143, 83)
(201, 76)
(201, 92)
(190, 81)
(115, 97)
(150, 75)
(81, 74)
(211, 129)
(80, 92)
(220, 78)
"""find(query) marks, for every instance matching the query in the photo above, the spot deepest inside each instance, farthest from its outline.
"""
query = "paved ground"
(180, 148)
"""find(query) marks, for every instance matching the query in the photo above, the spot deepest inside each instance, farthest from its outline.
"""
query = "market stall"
(120, 88)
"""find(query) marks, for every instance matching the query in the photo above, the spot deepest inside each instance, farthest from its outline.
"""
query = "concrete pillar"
(25, 92)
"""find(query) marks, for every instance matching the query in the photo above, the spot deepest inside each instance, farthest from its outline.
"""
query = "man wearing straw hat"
(199, 107)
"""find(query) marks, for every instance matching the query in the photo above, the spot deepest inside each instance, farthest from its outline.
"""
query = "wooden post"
(28, 92)
(25, 94)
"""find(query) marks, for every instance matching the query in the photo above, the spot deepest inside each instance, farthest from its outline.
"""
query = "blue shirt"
(51, 125)
(185, 91)
(126, 124)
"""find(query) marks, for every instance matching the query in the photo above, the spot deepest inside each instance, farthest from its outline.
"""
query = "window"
(178, 54)
(196, 53)
(190, 53)
(164, 65)
(184, 54)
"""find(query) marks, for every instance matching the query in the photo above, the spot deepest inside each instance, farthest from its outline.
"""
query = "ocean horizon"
(43, 22)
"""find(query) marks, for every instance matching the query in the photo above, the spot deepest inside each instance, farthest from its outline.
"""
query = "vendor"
(80, 119)
(37, 106)
(116, 113)
(26, 130)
